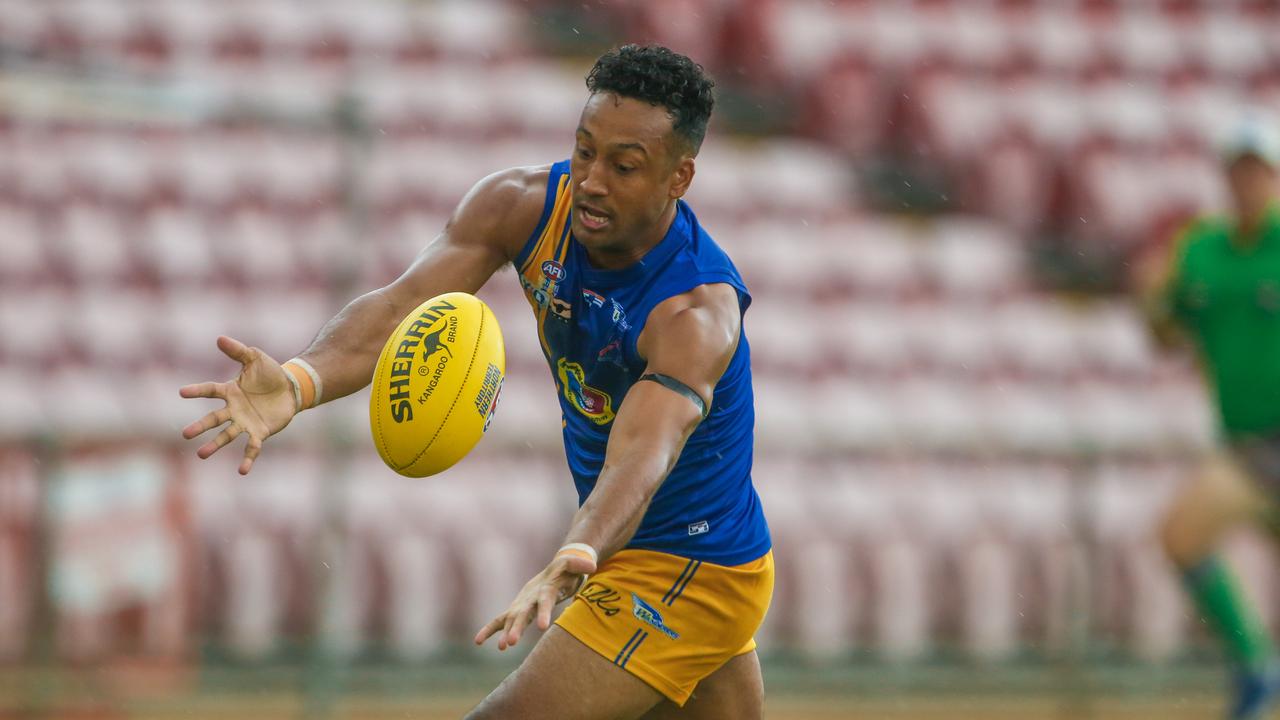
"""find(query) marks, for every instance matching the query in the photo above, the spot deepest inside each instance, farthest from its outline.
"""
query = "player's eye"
(624, 169)
(584, 153)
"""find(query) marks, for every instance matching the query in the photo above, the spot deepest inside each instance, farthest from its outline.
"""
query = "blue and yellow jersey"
(588, 322)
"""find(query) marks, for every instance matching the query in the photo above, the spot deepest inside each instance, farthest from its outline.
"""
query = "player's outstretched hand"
(259, 402)
(556, 583)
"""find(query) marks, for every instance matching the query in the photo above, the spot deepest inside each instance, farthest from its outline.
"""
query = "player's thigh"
(1219, 495)
(734, 692)
(562, 679)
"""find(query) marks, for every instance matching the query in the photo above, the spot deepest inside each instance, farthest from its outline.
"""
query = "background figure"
(965, 440)
(1221, 286)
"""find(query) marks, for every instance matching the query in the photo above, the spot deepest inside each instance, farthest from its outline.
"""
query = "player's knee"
(1189, 534)
(1174, 540)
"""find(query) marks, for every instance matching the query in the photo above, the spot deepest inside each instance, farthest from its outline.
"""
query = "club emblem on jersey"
(594, 404)
(646, 613)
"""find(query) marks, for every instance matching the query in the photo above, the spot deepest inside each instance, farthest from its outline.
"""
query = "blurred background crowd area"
(964, 436)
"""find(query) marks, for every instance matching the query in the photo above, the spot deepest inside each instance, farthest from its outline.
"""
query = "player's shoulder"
(517, 190)
(706, 316)
(506, 204)
(1201, 234)
(711, 296)
(1205, 227)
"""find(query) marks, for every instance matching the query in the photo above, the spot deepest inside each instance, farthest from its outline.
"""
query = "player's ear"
(681, 177)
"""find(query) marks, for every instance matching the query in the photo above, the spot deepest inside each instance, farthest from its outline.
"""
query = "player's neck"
(624, 256)
(1247, 226)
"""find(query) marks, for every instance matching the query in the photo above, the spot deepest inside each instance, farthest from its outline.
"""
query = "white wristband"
(297, 391)
(315, 379)
(580, 548)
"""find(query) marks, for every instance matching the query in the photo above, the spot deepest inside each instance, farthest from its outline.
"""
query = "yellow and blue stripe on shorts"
(668, 620)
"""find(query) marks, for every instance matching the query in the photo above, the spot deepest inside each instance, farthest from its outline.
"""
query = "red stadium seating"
(923, 413)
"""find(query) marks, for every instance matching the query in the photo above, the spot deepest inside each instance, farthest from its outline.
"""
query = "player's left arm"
(689, 338)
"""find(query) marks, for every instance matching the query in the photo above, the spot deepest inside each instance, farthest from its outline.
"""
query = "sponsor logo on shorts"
(699, 528)
(603, 597)
(648, 614)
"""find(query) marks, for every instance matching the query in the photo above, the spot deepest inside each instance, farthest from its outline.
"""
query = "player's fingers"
(208, 422)
(228, 434)
(523, 618)
(235, 349)
(494, 626)
(251, 450)
(546, 602)
(203, 390)
(504, 638)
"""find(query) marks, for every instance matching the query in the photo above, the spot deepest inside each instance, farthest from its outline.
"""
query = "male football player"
(1221, 290)
(639, 315)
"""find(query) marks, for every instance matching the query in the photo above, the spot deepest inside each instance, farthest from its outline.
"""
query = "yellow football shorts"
(669, 620)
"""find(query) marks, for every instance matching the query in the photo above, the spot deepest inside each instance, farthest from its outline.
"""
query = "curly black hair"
(659, 76)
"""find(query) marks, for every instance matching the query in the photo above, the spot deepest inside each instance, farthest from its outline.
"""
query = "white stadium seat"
(23, 412)
(111, 314)
(176, 244)
(1035, 336)
(971, 257)
(34, 324)
(91, 243)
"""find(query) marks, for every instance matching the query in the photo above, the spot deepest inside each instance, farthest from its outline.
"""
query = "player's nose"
(593, 183)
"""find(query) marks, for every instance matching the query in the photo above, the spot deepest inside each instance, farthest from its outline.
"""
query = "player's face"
(627, 168)
(1253, 184)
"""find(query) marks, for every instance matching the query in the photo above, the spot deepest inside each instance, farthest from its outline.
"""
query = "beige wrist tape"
(307, 387)
(581, 550)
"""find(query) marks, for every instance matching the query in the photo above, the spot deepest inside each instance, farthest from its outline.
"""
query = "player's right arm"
(486, 231)
(1155, 278)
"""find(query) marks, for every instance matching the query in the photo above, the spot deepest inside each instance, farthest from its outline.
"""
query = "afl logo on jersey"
(553, 270)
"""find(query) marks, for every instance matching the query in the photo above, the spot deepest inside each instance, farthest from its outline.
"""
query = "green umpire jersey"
(1225, 291)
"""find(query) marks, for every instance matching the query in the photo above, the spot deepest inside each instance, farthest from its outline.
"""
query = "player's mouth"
(591, 218)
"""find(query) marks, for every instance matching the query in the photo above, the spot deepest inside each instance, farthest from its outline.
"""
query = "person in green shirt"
(1219, 289)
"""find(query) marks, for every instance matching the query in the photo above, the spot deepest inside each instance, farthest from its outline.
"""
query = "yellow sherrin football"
(436, 385)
